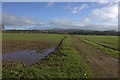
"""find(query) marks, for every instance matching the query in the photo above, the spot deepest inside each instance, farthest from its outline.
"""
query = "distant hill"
(67, 30)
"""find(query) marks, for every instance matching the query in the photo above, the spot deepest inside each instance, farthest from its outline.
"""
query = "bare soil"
(16, 46)
(102, 65)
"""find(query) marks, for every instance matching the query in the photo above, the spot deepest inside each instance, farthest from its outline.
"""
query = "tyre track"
(102, 65)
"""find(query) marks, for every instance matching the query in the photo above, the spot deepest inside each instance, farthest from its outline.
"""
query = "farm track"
(102, 65)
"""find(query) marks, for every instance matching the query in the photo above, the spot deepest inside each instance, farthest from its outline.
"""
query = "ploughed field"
(65, 56)
(13, 42)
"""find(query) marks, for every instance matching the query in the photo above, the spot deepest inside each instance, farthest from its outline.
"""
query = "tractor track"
(102, 65)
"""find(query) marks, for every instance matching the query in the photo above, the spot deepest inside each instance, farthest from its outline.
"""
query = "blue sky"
(48, 15)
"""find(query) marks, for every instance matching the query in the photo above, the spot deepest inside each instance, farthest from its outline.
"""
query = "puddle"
(28, 57)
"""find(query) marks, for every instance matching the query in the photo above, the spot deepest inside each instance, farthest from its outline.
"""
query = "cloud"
(119, 15)
(82, 7)
(108, 13)
(76, 9)
(50, 4)
(103, 2)
(14, 20)
(72, 24)
(86, 19)
(65, 23)
(101, 27)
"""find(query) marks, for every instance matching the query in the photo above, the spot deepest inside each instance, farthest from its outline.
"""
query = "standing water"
(27, 57)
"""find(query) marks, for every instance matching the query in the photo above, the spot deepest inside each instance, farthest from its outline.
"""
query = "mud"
(16, 46)
(29, 57)
(102, 65)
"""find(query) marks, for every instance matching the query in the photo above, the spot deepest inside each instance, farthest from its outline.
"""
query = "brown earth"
(102, 65)
(14, 46)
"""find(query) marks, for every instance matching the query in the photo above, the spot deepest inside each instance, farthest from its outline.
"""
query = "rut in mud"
(102, 65)
(60, 42)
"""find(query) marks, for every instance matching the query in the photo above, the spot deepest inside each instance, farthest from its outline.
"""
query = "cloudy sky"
(65, 15)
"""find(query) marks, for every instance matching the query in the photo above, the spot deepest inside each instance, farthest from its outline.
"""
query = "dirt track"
(102, 65)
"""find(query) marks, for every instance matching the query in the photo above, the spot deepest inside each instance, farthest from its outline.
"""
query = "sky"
(64, 15)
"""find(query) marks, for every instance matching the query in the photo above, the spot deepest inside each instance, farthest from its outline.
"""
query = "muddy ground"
(16, 46)
(102, 65)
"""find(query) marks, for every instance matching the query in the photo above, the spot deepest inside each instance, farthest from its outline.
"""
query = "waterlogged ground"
(16, 42)
(27, 48)
(65, 62)
(26, 57)
(75, 57)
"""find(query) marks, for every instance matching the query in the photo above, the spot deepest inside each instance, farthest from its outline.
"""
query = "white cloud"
(65, 23)
(108, 13)
(50, 4)
(103, 2)
(72, 24)
(13, 20)
(76, 9)
(82, 7)
(86, 20)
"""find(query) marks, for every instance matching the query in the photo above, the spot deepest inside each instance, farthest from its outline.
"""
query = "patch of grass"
(97, 39)
(65, 62)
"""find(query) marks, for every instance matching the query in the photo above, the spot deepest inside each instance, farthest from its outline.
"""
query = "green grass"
(97, 41)
(65, 62)
(31, 37)
(109, 41)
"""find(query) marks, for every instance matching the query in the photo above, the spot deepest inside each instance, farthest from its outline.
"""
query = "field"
(19, 42)
(107, 41)
(75, 56)
(107, 44)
